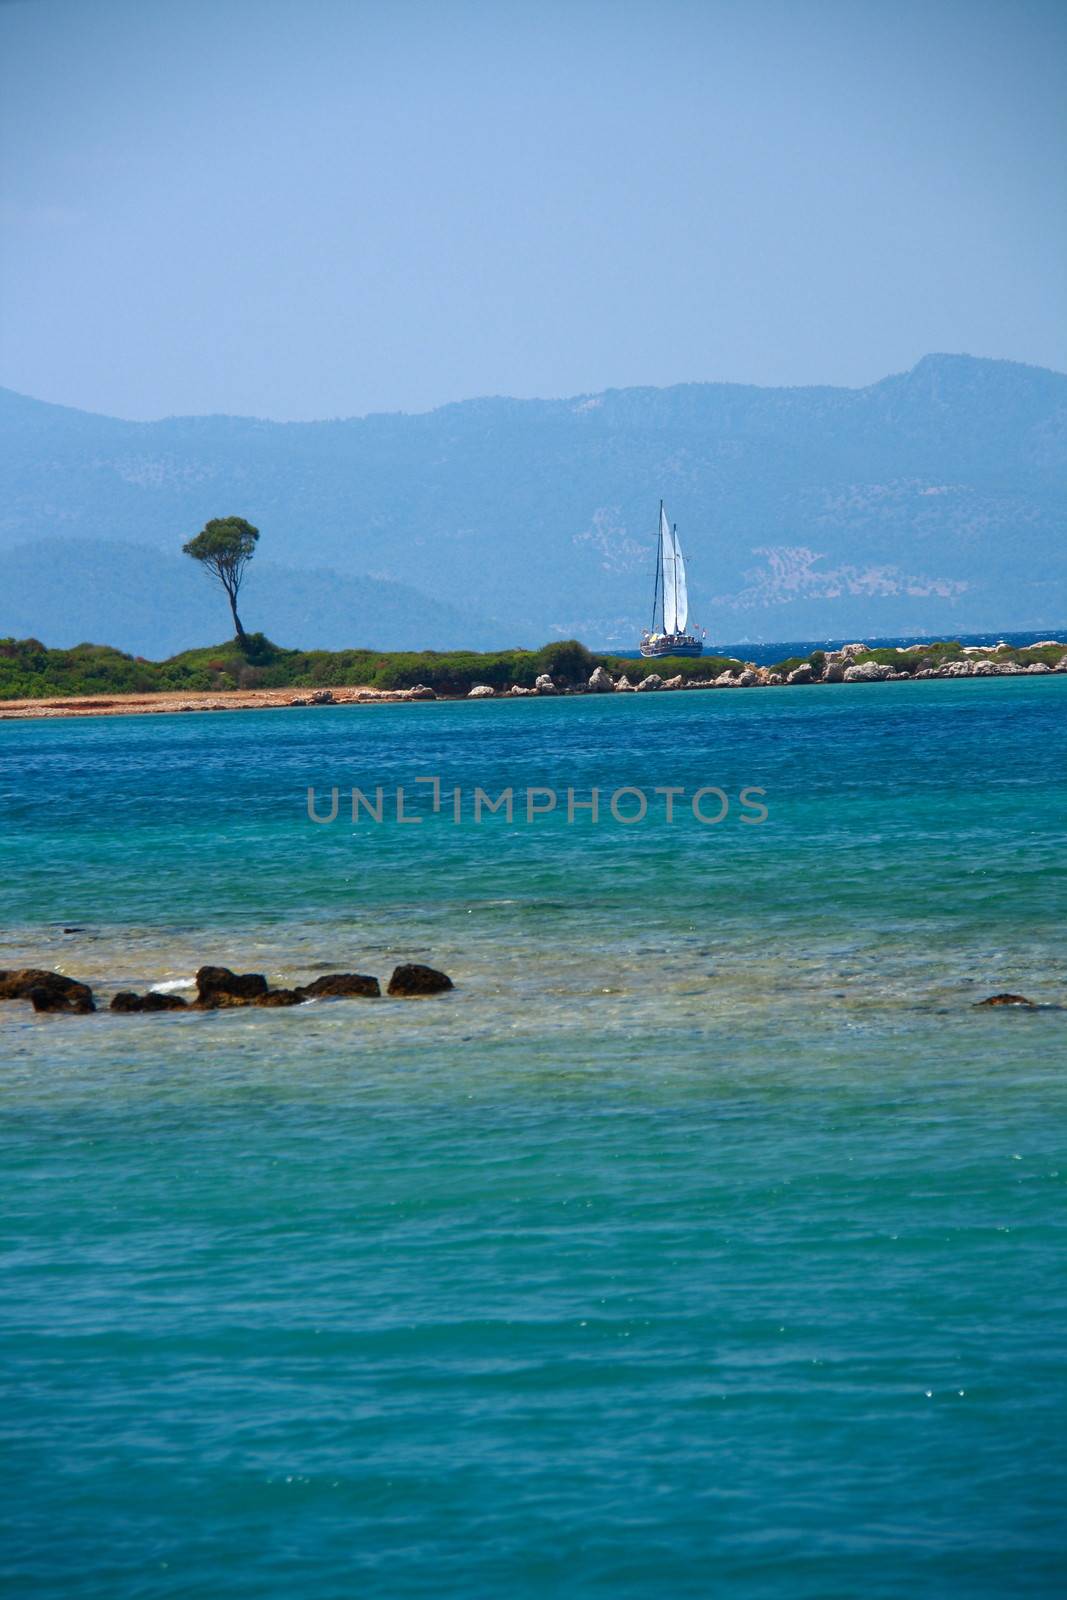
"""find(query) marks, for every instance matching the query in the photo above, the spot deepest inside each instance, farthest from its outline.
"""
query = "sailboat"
(670, 600)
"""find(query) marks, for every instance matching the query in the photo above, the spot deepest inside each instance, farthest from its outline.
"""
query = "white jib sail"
(681, 593)
(669, 562)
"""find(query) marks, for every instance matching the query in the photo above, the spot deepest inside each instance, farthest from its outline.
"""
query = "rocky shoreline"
(833, 666)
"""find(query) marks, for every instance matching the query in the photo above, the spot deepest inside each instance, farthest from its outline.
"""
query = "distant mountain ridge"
(932, 501)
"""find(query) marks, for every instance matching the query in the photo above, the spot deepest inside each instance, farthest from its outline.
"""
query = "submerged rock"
(414, 980)
(45, 998)
(126, 1000)
(279, 997)
(338, 984)
(153, 1001)
(218, 987)
(1006, 1000)
(48, 991)
(600, 681)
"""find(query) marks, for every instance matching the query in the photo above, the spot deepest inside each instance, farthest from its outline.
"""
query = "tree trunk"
(241, 636)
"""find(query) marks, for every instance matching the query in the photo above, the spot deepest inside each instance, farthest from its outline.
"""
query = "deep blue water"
(706, 1240)
(765, 654)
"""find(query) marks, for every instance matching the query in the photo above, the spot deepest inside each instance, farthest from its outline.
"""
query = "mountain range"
(933, 501)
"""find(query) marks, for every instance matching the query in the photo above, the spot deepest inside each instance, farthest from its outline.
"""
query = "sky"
(314, 208)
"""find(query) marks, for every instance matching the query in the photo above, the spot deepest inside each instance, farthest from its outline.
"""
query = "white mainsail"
(681, 593)
(669, 561)
(670, 603)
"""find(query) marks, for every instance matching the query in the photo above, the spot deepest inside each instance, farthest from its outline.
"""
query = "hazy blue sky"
(307, 208)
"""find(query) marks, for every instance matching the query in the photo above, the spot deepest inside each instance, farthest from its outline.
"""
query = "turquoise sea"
(706, 1240)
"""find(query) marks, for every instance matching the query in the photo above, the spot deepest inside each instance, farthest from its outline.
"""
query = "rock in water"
(48, 999)
(279, 997)
(422, 691)
(481, 691)
(1005, 1000)
(650, 684)
(543, 684)
(338, 984)
(600, 681)
(218, 986)
(624, 686)
(805, 673)
(125, 1000)
(414, 980)
(48, 991)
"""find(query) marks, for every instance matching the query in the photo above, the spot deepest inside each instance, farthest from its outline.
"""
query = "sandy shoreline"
(118, 705)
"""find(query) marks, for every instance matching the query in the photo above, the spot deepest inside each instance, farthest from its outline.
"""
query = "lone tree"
(224, 548)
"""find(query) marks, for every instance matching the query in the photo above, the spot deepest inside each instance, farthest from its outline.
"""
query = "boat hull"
(672, 645)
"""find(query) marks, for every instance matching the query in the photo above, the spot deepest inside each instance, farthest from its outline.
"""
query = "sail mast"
(668, 560)
(659, 569)
(677, 562)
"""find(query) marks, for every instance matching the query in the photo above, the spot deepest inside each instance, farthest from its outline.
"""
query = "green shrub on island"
(31, 671)
(913, 661)
(687, 667)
